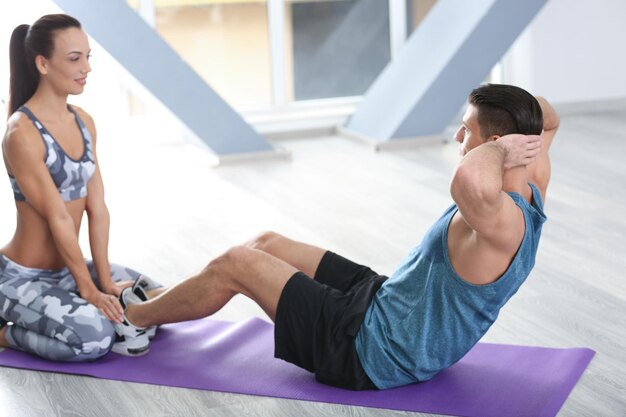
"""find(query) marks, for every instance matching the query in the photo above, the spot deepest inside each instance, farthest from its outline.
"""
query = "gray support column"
(137, 47)
(451, 52)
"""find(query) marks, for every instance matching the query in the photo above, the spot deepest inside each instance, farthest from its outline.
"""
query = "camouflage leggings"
(49, 319)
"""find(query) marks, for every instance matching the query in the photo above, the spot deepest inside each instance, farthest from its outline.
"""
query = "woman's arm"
(99, 222)
(25, 159)
(99, 219)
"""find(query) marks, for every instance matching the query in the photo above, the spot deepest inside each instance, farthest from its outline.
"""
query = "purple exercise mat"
(491, 380)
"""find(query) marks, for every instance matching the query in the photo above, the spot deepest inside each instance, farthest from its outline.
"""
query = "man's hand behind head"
(519, 150)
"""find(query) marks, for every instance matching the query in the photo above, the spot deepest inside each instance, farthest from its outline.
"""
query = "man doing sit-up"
(359, 330)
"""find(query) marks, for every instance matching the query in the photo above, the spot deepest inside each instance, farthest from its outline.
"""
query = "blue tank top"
(69, 175)
(425, 317)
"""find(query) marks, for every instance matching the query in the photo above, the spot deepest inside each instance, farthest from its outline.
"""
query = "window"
(269, 54)
(226, 43)
(337, 47)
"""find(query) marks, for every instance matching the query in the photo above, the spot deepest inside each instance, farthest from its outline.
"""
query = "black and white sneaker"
(140, 287)
(131, 340)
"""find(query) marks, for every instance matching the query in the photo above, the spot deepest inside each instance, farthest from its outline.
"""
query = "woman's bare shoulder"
(21, 136)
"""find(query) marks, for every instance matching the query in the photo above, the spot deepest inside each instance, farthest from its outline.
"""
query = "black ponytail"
(26, 43)
(24, 78)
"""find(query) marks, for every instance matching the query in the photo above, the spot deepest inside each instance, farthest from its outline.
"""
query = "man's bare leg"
(254, 273)
(156, 292)
(302, 256)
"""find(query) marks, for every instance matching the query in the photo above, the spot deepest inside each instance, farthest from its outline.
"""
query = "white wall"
(572, 52)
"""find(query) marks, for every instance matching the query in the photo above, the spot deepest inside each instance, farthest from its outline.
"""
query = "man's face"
(469, 135)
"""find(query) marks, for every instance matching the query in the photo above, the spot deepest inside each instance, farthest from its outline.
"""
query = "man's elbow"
(468, 189)
(551, 119)
(464, 185)
(552, 122)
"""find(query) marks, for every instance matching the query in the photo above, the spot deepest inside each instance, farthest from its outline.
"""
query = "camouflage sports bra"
(69, 175)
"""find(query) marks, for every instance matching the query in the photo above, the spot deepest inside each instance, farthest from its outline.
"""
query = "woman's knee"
(94, 337)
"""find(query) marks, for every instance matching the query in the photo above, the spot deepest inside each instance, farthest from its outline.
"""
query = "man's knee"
(233, 258)
(229, 270)
(264, 240)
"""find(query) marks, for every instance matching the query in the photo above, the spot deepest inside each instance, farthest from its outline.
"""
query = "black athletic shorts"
(317, 320)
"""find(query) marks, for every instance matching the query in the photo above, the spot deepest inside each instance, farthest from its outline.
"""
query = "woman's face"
(66, 70)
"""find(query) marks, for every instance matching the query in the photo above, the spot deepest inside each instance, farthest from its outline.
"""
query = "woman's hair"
(26, 43)
(505, 109)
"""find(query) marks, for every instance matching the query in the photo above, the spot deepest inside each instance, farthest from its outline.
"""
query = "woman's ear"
(42, 64)
(494, 138)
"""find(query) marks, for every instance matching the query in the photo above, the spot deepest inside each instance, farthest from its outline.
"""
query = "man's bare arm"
(539, 171)
(478, 181)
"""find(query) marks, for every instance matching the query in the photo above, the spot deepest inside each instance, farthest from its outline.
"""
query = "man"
(359, 330)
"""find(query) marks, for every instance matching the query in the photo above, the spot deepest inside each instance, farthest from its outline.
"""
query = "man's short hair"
(505, 109)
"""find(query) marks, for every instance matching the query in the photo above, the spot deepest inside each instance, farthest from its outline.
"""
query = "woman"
(54, 303)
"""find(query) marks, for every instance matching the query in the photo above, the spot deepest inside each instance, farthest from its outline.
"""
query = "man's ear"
(42, 64)
(493, 138)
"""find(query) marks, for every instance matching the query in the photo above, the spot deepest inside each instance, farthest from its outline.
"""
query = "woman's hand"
(108, 304)
(115, 288)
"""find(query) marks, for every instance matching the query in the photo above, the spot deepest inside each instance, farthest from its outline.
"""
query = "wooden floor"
(172, 213)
